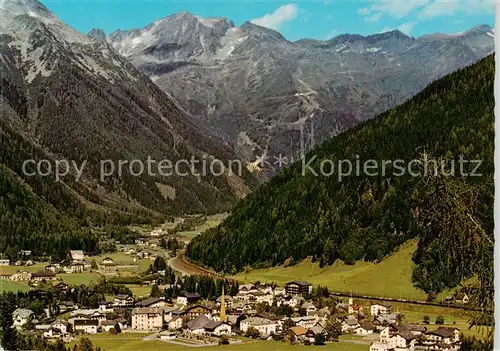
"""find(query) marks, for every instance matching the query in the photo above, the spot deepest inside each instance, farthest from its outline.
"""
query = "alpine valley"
(64, 95)
(259, 90)
(373, 230)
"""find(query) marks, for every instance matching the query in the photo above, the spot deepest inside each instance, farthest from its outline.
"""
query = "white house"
(279, 292)
(4, 262)
(385, 334)
(123, 300)
(76, 267)
(52, 333)
(218, 328)
(292, 301)
(349, 324)
(382, 307)
(147, 319)
(186, 298)
(21, 276)
(52, 267)
(108, 261)
(108, 325)
(306, 321)
(298, 287)
(105, 306)
(402, 341)
(167, 335)
(61, 325)
(246, 288)
(443, 335)
(260, 297)
(77, 255)
(365, 328)
(228, 301)
(86, 314)
(379, 346)
(21, 316)
(205, 326)
(152, 302)
(168, 313)
(309, 308)
(87, 326)
(263, 325)
(175, 323)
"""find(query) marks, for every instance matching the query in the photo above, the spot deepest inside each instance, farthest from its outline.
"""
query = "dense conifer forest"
(44, 216)
(368, 217)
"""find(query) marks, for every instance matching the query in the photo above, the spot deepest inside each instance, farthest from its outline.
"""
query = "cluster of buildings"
(408, 337)
(189, 314)
(77, 264)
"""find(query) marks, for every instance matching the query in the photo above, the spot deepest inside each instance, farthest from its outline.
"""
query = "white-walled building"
(147, 319)
(382, 307)
(263, 325)
(21, 316)
(87, 326)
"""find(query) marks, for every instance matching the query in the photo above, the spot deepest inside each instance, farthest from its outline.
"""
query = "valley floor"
(135, 342)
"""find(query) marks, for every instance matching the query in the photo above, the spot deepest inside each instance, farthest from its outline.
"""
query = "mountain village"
(191, 319)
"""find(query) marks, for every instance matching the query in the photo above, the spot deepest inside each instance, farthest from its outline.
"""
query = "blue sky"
(321, 19)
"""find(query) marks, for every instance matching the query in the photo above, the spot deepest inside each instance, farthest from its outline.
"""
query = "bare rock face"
(75, 97)
(252, 85)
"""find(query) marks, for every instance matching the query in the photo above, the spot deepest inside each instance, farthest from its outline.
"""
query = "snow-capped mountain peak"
(42, 40)
(19, 18)
(25, 7)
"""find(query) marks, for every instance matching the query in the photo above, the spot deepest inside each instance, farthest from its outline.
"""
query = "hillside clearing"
(390, 278)
(211, 222)
(7, 285)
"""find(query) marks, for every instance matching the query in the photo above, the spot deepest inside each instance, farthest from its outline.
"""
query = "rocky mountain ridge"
(76, 98)
(260, 90)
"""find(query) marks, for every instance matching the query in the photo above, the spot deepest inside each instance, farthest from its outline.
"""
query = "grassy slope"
(6, 285)
(140, 291)
(389, 278)
(134, 342)
(79, 278)
(14, 269)
(211, 222)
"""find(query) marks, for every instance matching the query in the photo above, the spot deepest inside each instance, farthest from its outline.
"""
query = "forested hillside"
(39, 214)
(68, 97)
(367, 217)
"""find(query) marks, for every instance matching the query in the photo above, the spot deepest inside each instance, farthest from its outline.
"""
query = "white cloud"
(281, 15)
(386, 29)
(394, 8)
(364, 11)
(439, 8)
(332, 34)
(329, 17)
(449, 8)
(406, 28)
(374, 18)
(428, 9)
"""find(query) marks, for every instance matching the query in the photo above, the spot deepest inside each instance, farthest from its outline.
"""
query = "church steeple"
(223, 317)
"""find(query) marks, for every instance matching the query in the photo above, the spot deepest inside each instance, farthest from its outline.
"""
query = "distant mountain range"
(76, 98)
(258, 90)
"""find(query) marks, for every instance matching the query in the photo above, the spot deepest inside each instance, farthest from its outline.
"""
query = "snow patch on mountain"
(229, 42)
(209, 22)
(10, 10)
(37, 35)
